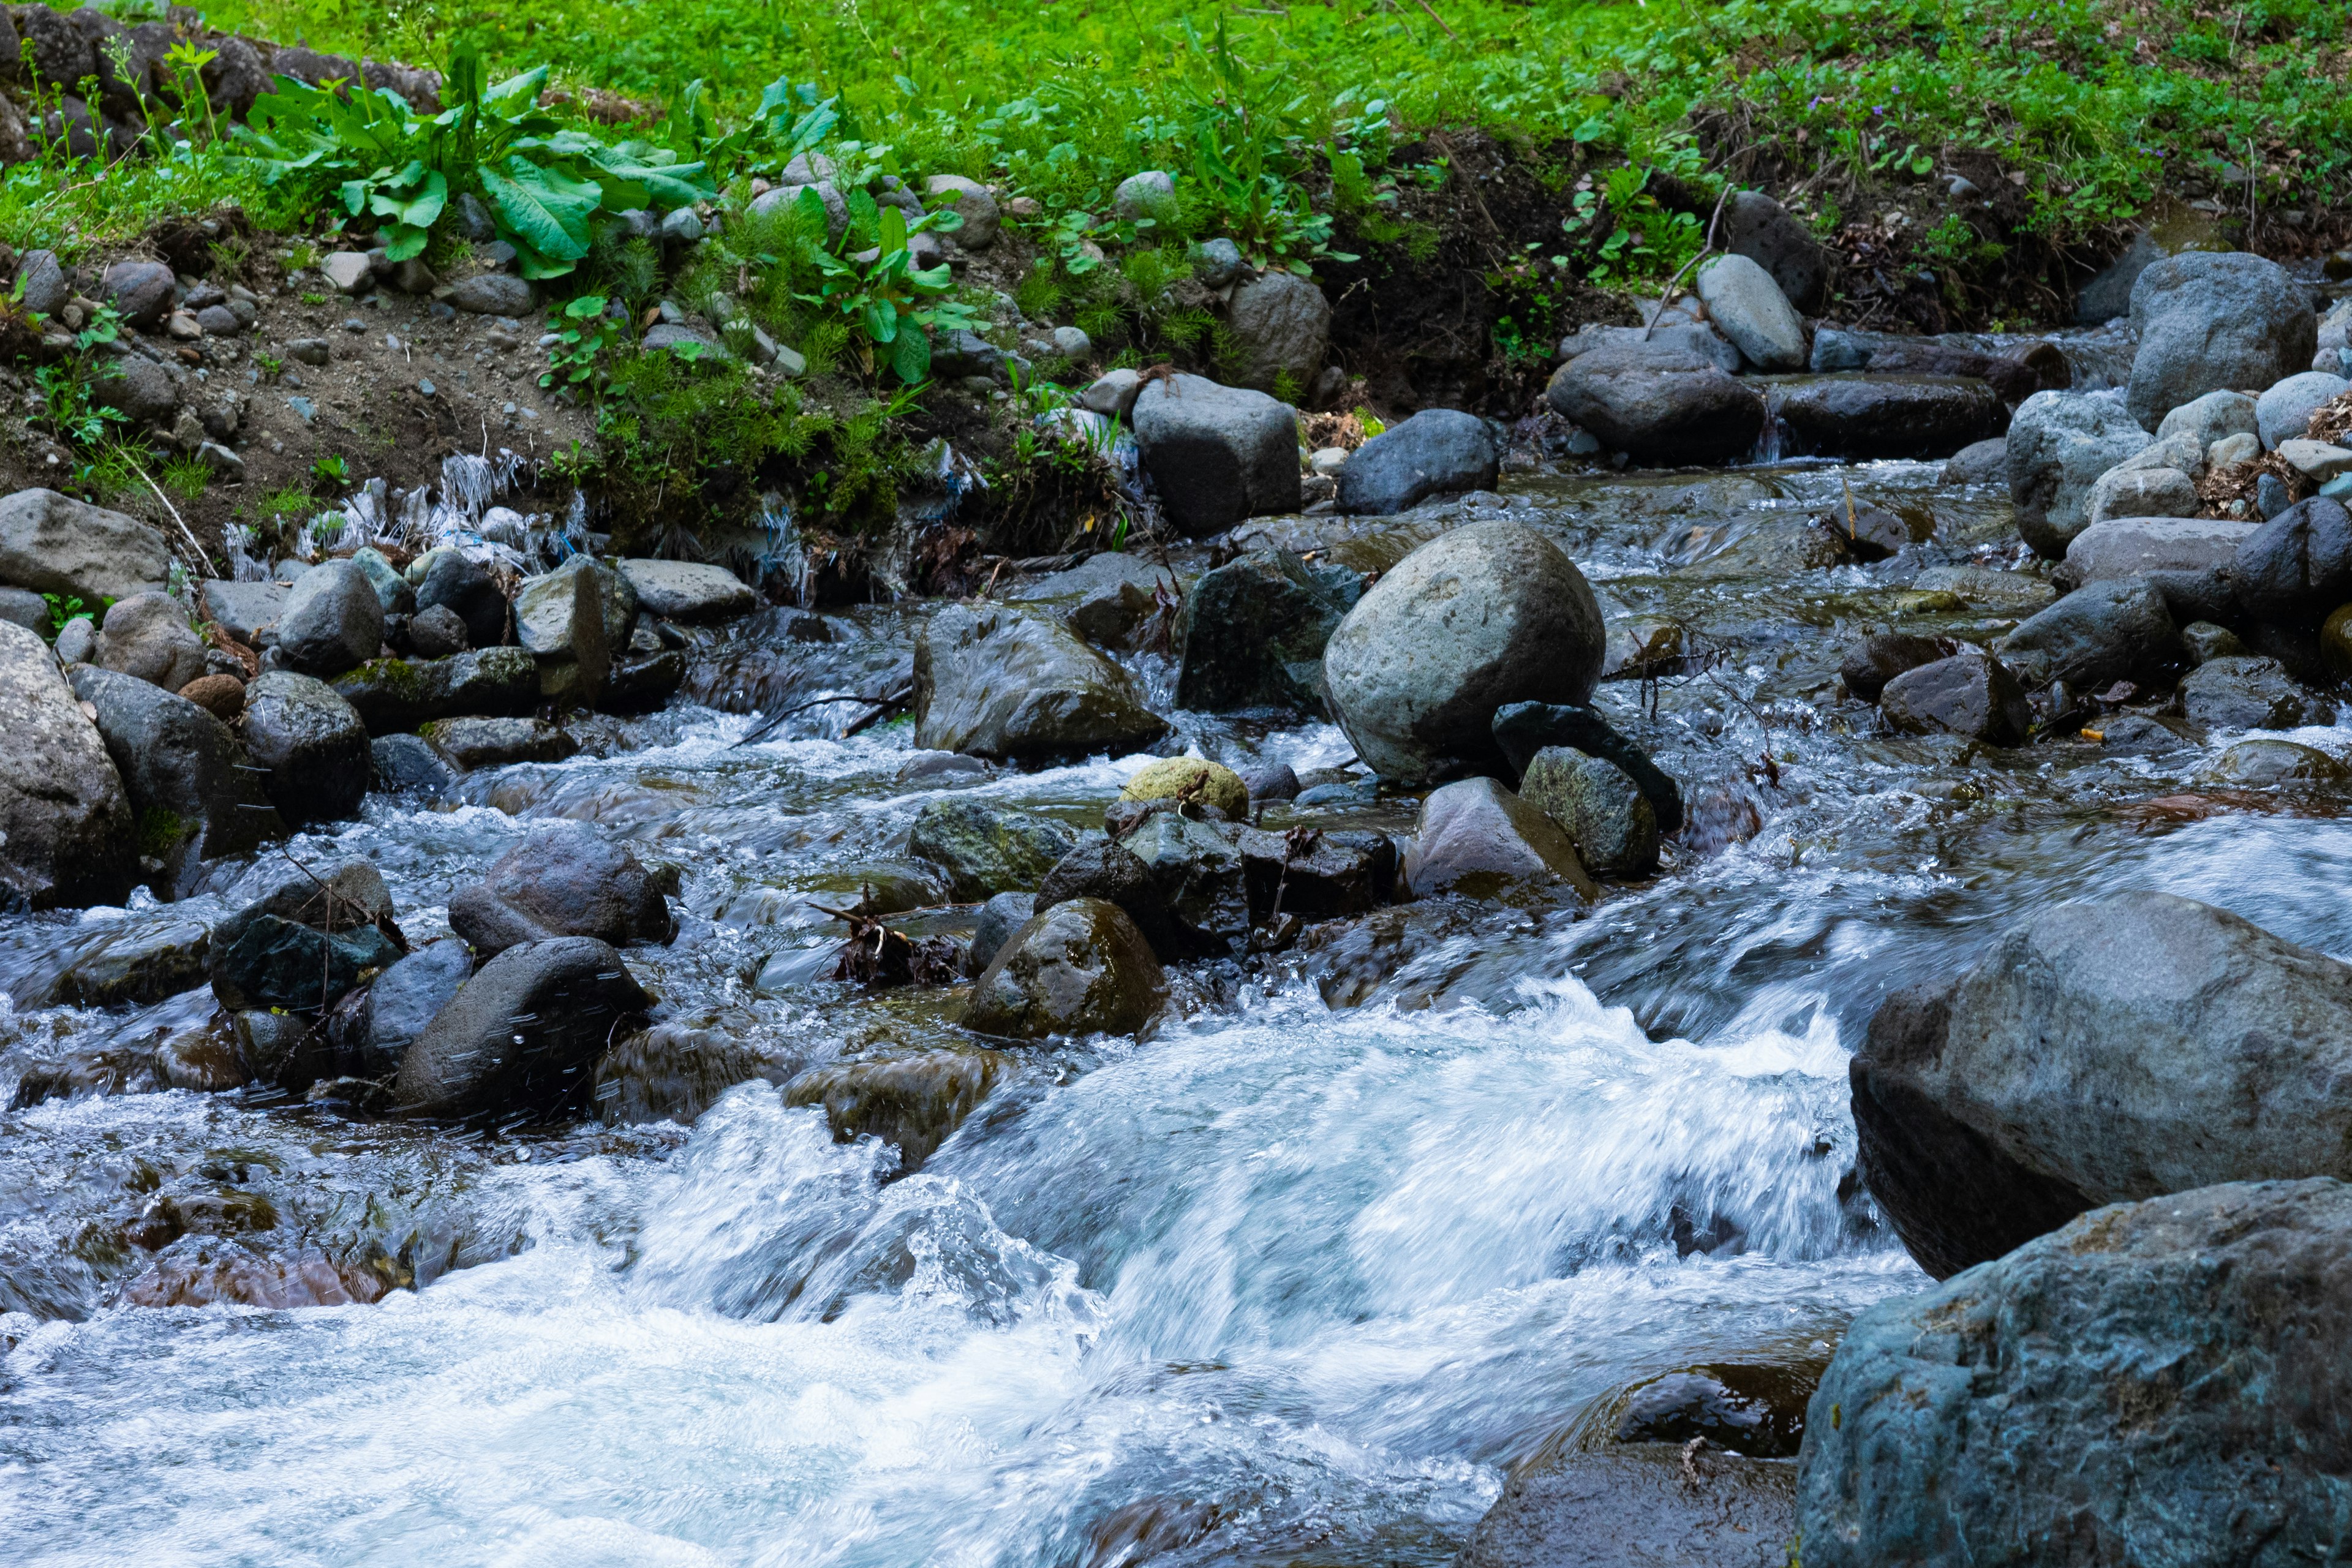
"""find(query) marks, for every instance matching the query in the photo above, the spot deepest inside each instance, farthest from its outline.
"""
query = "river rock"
(914, 1103)
(1748, 308)
(2250, 693)
(312, 744)
(1190, 778)
(52, 545)
(194, 795)
(1150, 195)
(1605, 813)
(2102, 1051)
(407, 764)
(1077, 967)
(1478, 839)
(2268, 761)
(1253, 634)
(688, 591)
(2296, 569)
(397, 694)
(2286, 408)
(986, 850)
(243, 609)
(1863, 416)
(1216, 453)
(2212, 320)
(2213, 418)
(1694, 336)
(642, 684)
(1641, 1503)
(565, 879)
(2141, 493)
(404, 1002)
(561, 619)
(1009, 686)
(1763, 230)
(2059, 444)
(333, 621)
(492, 294)
(2168, 1373)
(138, 963)
(469, 743)
(1196, 876)
(1522, 730)
(334, 896)
(67, 833)
(2135, 546)
(1481, 616)
(2096, 636)
(265, 961)
(437, 631)
(1662, 405)
(148, 635)
(520, 1035)
(391, 590)
(973, 203)
(1105, 870)
(1281, 324)
(1003, 914)
(1438, 451)
(677, 1068)
(1878, 658)
(468, 590)
(1967, 694)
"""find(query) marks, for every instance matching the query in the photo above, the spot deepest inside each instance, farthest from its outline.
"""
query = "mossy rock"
(986, 850)
(1209, 784)
(1079, 968)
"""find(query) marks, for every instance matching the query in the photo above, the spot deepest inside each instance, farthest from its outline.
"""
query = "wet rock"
(192, 792)
(1878, 658)
(243, 609)
(148, 635)
(1008, 685)
(469, 743)
(688, 591)
(333, 621)
(404, 1002)
(2248, 693)
(2059, 444)
(1696, 337)
(2124, 1380)
(1522, 730)
(1979, 586)
(1967, 694)
(1763, 230)
(1662, 406)
(1605, 813)
(1870, 416)
(52, 545)
(1316, 874)
(267, 960)
(395, 694)
(1642, 1503)
(560, 619)
(1196, 876)
(1438, 451)
(1103, 869)
(334, 896)
(391, 590)
(1252, 635)
(1748, 308)
(640, 685)
(66, 827)
(985, 849)
(1216, 453)
(563, 881)
(2096, 636)
(2268, 761)
(311, 743)
(2104, 1051)
(2209, 320)
(1484, 615)
(2296, 569)
(1190, 778)
(1478, 839)
(1755, 1410)
(1281, 326)
(2138, 735)
(1003, 914)
(2136, 546)
(2204, 641)
(437, 631)
(143, 962)
(1272, 781)
(522, 1034)
(677, 1070)
(468, 590)
(407, 764)
(914, 1102)
(1078, 967)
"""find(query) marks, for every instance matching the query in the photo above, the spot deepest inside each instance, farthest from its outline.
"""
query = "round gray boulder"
(1080, 967)
(2282, 412)
(1748, 308)
(2059, 444)
(65, 827)
(522, 1032)
(1216, 453)
(148, 635)
(1282, 325)
(2207, 321)
(564, 879)
(312, 744)
(1008, 685)
(1438, 451)
(334, 620)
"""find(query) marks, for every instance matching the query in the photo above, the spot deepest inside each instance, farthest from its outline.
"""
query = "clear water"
(1290, 1281)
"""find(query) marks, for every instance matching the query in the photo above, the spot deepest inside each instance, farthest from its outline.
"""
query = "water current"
(1292, 1280)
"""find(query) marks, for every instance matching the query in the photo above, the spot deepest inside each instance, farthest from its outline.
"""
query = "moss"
(161, 832)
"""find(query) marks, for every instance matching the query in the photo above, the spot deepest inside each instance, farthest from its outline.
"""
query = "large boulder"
(312, 744)
(148, 635)
(1761, 229)
(1866, 417)
(688, 591)
(1253, 631)
(1216, 453)
(1281, 325)
(2296, 569)
(1748, 308)
(1008, 685)
(2059, 444)
(66, 826)
(469, 743)
(1080, 967)
(2162, 1382)
(194, 795)
(1662, 404)
(563, 880)
(468, 590)
(522, 1034)
(2102, 1051)
(332, 622)
(391, 695)
(1438, 451)
(1968, 694)
(1481, 616)
(2207, 321)
(1478, 839)
(2096, 636)
(561, 619)
(986, 850)
(76, 551)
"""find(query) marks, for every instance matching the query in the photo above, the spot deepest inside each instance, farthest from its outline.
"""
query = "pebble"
(354, 324)
(425, 387)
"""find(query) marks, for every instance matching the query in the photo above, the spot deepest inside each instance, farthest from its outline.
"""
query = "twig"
(1721, 197)
(1439, 20)
(202, 559)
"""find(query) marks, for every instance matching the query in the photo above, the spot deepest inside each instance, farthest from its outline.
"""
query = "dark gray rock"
(312, 742)
(391, 695)
(66, 827)
(986, 850)
(1968, 694)
(492, 294)
(1009, 686)
(2095, 636)
(407, 764)
(1078, 967)
(2161, 1381)
(2249, 693)
(1689, 337)
(1642, 1503)
(1102, 868)
(23, 607)
(564, 879)
(469, 743)
(1605, 813)
(2209, 321)
(1522, 730)
(2102, 1051)
(642, 684)
(2284, 409)
(912, 1103)
(52, 545)
(1761, 229)
(677, 1070)
(1981, 463)
(332, 622)
(141, 292)
(1003, 914)
(1316, 875)
(2059, 443)
(2296, 569)
(268, 961)
(1876, 415)
(1196, 876)
(1481, 616)
(1274, 782)
(1253, 634)
(437, 631)
(1879, 657)
(1438, 451)
(561, 619)
(404, 1002)
(1663, 405)
(45, 289)
(1281, 326)
(468, 590)
(138, 388)
(1216, 453)
(333, 895)
(194, 795)
(1476, 840)
(523, 1032)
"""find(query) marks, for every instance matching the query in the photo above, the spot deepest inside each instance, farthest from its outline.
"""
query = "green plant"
(185, 477)
(270, 365)
(891, 300)
(63, 608)
(330, 473)
(585, 333)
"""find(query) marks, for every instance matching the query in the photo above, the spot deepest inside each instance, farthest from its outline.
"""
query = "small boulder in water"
(1878, 658)
(2250, 694)
(913, 1103)
(469, 592)
(1967, 694)
(470, 743)
(1009, 686)
(1479, 839)
(1602, 810)
(1438, 451)
(564, 879)
(999, 918)
(1191, 779)
(2268, 762)
(522, 1032)
(986, 850)
(2096, 636)
(1662, 406)
(1253, 634)
(1078, 967)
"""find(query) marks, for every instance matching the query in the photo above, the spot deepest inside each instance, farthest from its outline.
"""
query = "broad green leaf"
(881, 320)
(419, 209)
(545, 208)
(354, 195)
(515, 94)
(891, 230)
(408, 240)
(910, 357)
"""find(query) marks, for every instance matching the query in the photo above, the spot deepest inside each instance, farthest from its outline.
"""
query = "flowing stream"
(1291, 1281)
